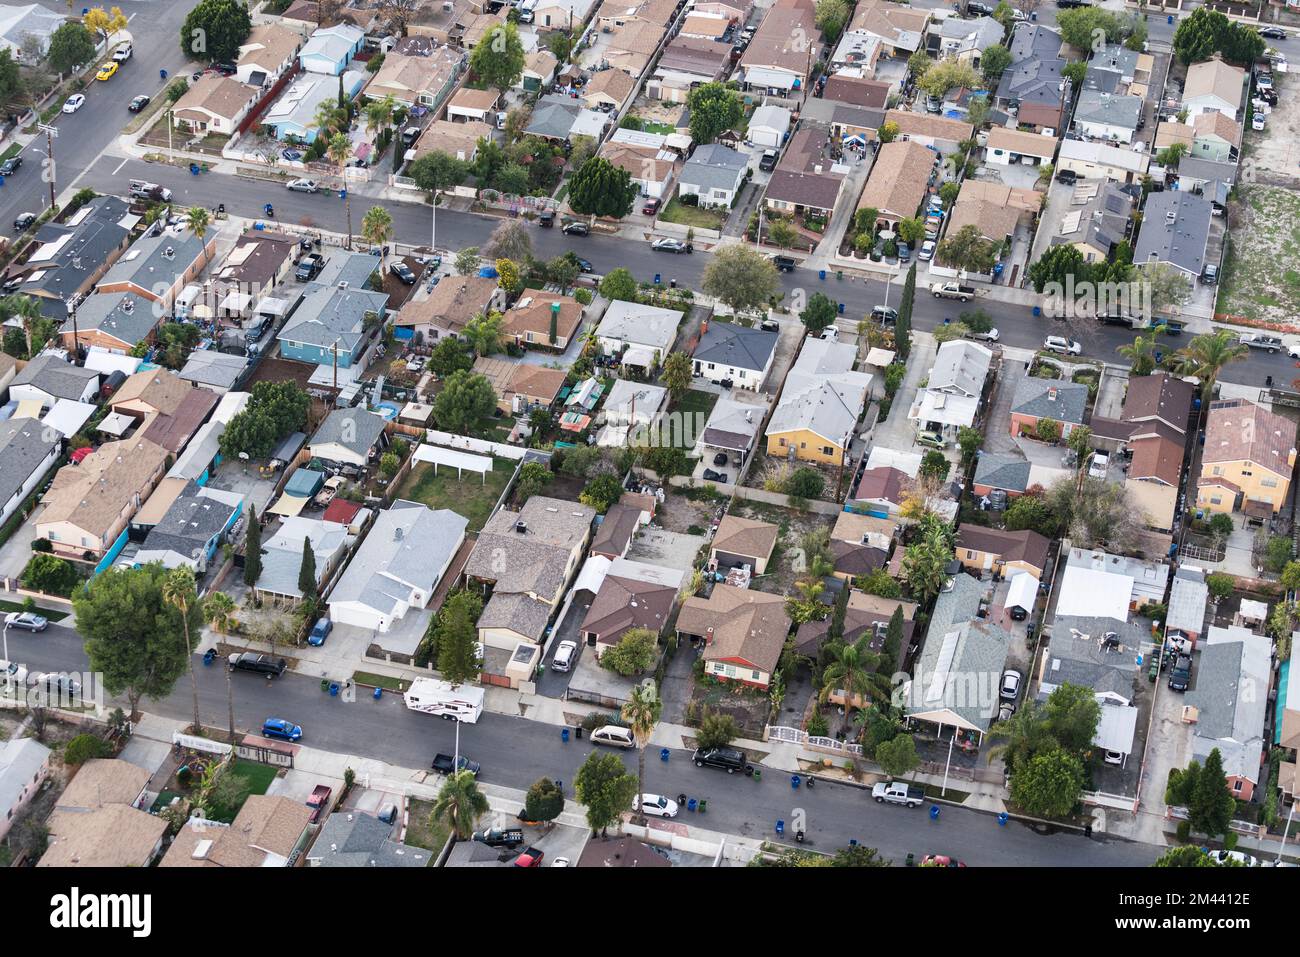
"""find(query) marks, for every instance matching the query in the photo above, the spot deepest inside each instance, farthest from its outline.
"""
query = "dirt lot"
(689, 517)
(1273, 155)
(787, 562)
(1263, 287)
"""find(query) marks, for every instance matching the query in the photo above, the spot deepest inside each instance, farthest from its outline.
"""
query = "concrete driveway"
(17, 552)
(898, 432)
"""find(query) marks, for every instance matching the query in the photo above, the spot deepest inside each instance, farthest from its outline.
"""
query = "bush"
(42, 545)
(84, 747)
(583, 296)
(805, 483)
(53, 576)
(717, 730)
(817, 726)
(1184, 830)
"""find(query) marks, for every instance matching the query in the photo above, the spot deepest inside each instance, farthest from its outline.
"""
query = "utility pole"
(76, 339)
(50, 133)
(171, 121)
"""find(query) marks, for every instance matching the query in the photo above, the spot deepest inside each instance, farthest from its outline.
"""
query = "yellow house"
(1248, 461)
(820, 404)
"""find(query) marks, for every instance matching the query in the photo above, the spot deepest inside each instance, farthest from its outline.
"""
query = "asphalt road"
(514, 752)
(155, 28)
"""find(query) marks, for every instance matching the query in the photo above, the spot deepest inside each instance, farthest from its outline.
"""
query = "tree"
(377, 230)
(604, 785)
(450, 355)
(562, 270)
(484, 332)
(879, 582)
(968, 250)
(677, 374)
(83, 748)
(1170, 155)
(934, 464)
(831, 16)
(851, 672)
(599, 188)
(71, 46)
(459, 805)
(1071, 715)
(50, 575)
(741, 277)
(467, 261)
(634, 653)
(1140, 354)
(379, 114)
(396, 14)
(993, 62)
(924, 563)
(641, 713)
(1188, 855)
(716, 730)
(1206, 356)
(105, 23)
(307, 571)
(781, 233)
(340, 153)
(1048, 430)
(804, 483)
(458, 658)
(498, 57)
(1210, 803)
(219, 611)
(912, 231)
(889, 658)
(903, 322)
(858, 856)
(819, 314)
(561, 45)
(252, 549)
(918, 65)
(214, 31)
(1206, 32)
(619, 284)
(1169, 288)
(464, 399)
(948, 193)
(1089, 29)
(898, 756)
(602, 492)
(509, 240)
(978, 109)
(888, 131)
(949, 75)
(544, 801)
(1049, 784)
(436, 171)
(1075, 72)
(275, 410)
(178, 590)
(714, 109)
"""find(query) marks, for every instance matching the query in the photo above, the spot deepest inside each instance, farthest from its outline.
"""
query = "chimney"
(1051, 394)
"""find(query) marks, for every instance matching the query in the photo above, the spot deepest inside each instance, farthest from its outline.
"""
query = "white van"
(613, 735)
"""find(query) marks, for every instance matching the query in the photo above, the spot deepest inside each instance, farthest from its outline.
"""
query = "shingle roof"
(92, 495)
(355, 429)
(1187, 598)
(736, 346)
(1036, 63)
(189, 523)
(899, 179)
(356, 839)
(1022, 546)
(454, 302)
(1231, 698)
(811, 190)
(1108, 109)
(714, 166)
(745, 537)
(24, 445)
(1050, 399)
(1002, 470)
(329, 314)
(1214, 78)
(1237, 430)
(747, 625)
(1175, 230)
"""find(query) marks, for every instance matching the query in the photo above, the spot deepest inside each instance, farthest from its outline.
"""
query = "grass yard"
(421, 833)
(493, 429)
(695, 408)
(257, 777)
(50, 613)
(469, 496)
(1262, 288)
(695, 216)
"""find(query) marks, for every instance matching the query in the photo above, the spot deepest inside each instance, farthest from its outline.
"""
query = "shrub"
(84, 747)
(54, 576)
(42, 545)
(817, 726)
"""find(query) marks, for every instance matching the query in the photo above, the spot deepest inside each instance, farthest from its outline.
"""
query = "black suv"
(258, 664)
(10, 166)
(1180, 676)
(783, 263)
(730, 760)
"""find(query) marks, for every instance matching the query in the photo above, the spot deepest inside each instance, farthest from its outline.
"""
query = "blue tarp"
(304, 483)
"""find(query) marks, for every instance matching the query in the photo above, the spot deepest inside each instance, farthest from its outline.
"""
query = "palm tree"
(27, 310)
(178, 591)
(377, 229)
(483, 333)
(218, 608)
(1206, 356)
(642, 714)
(852, 671)
(460, 804)
(379, 114)
(197, 222)
(330, 117)
(340, 151)
(1141, 354)
(1022, 734)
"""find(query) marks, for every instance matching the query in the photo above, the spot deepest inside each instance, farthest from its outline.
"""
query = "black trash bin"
(577, 732)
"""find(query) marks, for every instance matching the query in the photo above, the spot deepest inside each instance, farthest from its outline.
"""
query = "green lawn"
(387, 682)
(258, 777)
(469, 496)
(653, 126)
(697, 401)
(676, 212)
(49, 613)
(420, 833)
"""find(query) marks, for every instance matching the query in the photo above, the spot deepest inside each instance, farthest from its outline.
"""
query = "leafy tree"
(918, 65)
(49, 574)
(71, 46)
(83, 748)
(252, 549)
(716, 730)
(879, 582)
(1221, 585)
(459, 805)
(1048, 430)
(852, 671)
(582, 461)
(969, 441)
(993, 62)
(562, 270)
(450, 355)
(1089, 29)
(804, 483)
(561, 45)
(606, 787)
(619, 284)
(948, 193)
(600, 188)
(509, 240)
(464, 399)
(898, 756)
(498, 57)
(214, 30)
(923, 564)
(903, 324)
(634, 653)
(677, 374)
(935, 465)
(1071, 715)
(307, 571)
(968, 250)
(275, 410)
(949, 75)
(912, 231)
(858, 856)
(544, 801)
(1187, 855)
(437, 171)
(888, 131)
(1140, 354)
(1075, 72)
(893, 646)
(741, 277)
(1170, 155)
(714, 109)
(1049, 784)
(831, 16)
(821, 312)
(641, 713)
(1203, 789)
(467, 261)
(484, 332)
(1170, 288)
(1206, 32)
(602, 492)
(533, 478)
(458, 659)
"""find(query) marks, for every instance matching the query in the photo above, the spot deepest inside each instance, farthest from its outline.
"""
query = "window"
(710, 365)
(1217, 470)
(1268, 483)
(740, 374)
(1236, 785)
(827, 450)
(970, 554)
(1216, 500)
(780, 442)
(1246, 474)
(755, 674)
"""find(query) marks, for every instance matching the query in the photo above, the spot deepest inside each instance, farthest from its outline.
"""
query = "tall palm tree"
(460, 804)
(483, 333)
(178, 591)
(330, 118)
(377, 229)
(218, 609)
(642, 714)
(852, 671)
(379, 114)
(1207, 355)
(197, 221)
(1021, 735)
(27, 310)
(1141, 354)
(340, 151)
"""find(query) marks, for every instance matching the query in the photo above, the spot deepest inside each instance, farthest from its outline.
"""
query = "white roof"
(593, 573)
(954, 410)
(101, 360)
(1252, 610)
(1022, 591)
(1092, 593)
(642, 572)
(880, 358)
(231, 404)
(20, 760)
(908, 463)
(1116, 728)
(115, 423)
(441, 455)
(636, 324)
(67, 416)
(776, 118)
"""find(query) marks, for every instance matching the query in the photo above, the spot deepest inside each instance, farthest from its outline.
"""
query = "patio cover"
(593, 573)
(1116, 728)
(880, 358)
(1023, 590)
(236, 302)
(101, 360)
(29, 409)
(416, 412)
(758, 76)
(1251, 610)
(288, 506)
(460, 461)
(324, 375)
(642, 356)
(1090, 593)
(115, 423)
(574, 422)
(67, 416)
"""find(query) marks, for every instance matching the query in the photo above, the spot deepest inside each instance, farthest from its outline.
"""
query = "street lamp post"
(1281, 847)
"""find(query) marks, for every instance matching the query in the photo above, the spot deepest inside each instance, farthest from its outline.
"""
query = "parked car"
(584, 265)
(1234, 857)
(576, 229)
(531, 857)
(565, 654)
(988, 335)
(712, 476)
(107, 70)
(510, 837)
(320, 631)
(1099, 464)
(444, 762)
(10, 166)
(122, 53)
(415, 364)
(1062, 345)
(402, 272)
(74, 103)
(282, 729)
(885, 315)
(1009, 687)
(1273, 33)
(768, 161)
(730, 760)
(1180, 676)
(1067, 176)
(546, 218)
(291, 155)
(266, 665)
(651, 207)
(26, 621)
(1257, 121)
(56, 684)
(931, 439)
(783, 263)
(328, 490)
(654, 805)
(319, 802)
(302, 186)
(615, 735)
(943, 860)
(670, 246)
(138, 104)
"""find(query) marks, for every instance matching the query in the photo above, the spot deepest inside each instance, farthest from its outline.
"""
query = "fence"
(1119, 802)
(195, 743)
(265, 754)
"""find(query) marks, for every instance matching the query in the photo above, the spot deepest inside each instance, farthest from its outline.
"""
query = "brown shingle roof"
(269, 45)
(1023, 546)
(93, 494)
(623, 603)
(746, 537)
(899, 180)
(532, 313)
(1159, 396)
(1157, 457)
(615, 532)
(112, 836)
(782, 38)
(857, 91)
(882, 483)
(1026, 144)
(923, 124)
(454, 302)
(215, 94)
(537, 382)
(744, 625)
(266, 825)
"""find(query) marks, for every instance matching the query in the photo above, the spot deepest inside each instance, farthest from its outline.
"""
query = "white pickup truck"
(952, 290)
(896, 792)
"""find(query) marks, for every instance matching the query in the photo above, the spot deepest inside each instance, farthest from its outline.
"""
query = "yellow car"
(106, 71)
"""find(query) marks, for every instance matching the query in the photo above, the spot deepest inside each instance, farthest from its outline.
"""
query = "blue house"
(193, 527)
(293, 114)
(330, 321)
(331, 48)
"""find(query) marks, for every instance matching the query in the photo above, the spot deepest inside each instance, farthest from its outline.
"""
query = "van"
(614, 736)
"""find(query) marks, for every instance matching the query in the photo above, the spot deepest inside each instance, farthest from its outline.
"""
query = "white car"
(302, 186)
(1062, 345)
(415, 364)
(655, 805)
(565, 652)
(927, 251)
(1223, 857)
(74, 102)
(560, 862)
(1009, 689)
(1257, 121)
(991, 335)
(1113, 757)
(1293, 351)
(1100, 462)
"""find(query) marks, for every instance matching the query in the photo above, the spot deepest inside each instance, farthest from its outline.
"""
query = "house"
(469, 104)
(24, 767)
(168, 408)
(97, 822)
(857, 91)
(544, 319)
(1006, 146)
(1231, 703)
(217, 371)
(743, 541)
(215, 104)
(417, 80)
(1097, 221)
(1213, 86)
(556, 117)
(731, 427)
(398, 565)
(282, 552)
(292, 116)
(899, 30)
(1175, 230)
(531, 387)
(1099, 654)
(715, 174)
(25, 31)
(632, 595)
(621, 852)
(28, 451)
(630, 414)
(1055, 399)
(1215, 137)
(200, 458)
(640, 336)
(265, 833)
(1034, 75)
(1107, 116)
(156, 267)
(865, 617)
(1092, 160)
(769, 126)
(117, 322)
(630, 48)
(880, 491)
(1157, 410)
(331, 49)
(616, 13)
(953, 395)
(267, 54)
(88, 506)
(936, 131)
(539, 71)
(47, 378)
(743, 632)
(1117, 69)
(820, 404)
(728, 350)
(966, 40)
(685, 62)
(1187, 599)
(1040, 118)
(859, 529)
(1100, 583)
(332, 325)
(1248, 459)
(778, 58)
(806, 181)
(193, 527)
(1008, 472)
(1171, 131)
(899, 181)
(448, 308)
(708, 26)
(997, 211)
(608, 90)
(1203, 177)
(561, 13)
(650, 166)
(348, 437)
(982, 549)
(458, 138)
(356, 839)
(541, 546)
(617, 528)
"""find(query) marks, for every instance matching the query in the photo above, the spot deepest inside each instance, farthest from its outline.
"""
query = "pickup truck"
(319, 802)
(443, 763)
(952, 290)
(500, 837)
(1271, 343)
(531, 857)
(895, 792)
(328, 490)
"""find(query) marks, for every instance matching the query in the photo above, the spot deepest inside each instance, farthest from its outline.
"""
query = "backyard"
(1262, 288)
(421, 832)
(471, 495)
(788, 562)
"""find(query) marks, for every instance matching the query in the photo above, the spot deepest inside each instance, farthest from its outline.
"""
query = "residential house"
(417, 80)
(566, 14)
(193, 527)
(854, 126)
(292, 116)
(899, 181)
(1004, 471)
(217, 371)
(1040, 118)
(617, 528)
(398, 565)
(458, 138)
(557, 117)
(820, 404)
(265, 833)
(24, 768)
(859, 529)
(157, 267)
(1101, 654)
(117, 322)
(267, 54)
(97, 821)
(468, 104)
(779, 57)
(1203, 177)
(865, 617)
(1092, 160)
(629, 48)
(348, 437)
(47, 378)
(1107, 116)
(28, 451)
(743, 541)
(640, 336)
(731, 427)
(630, 413)
(715, 174)
(544, 319)
(651, 167)
(704, 26)
(857, 91)
(357, 839)
(539, 71)
(686, 62)
(1176, 231)
(1171, 131)
(331, 49)
(168, 409)
(728, 350)
(616, 13)
(1231, 703)
(448, 308)
(215, 104)
(1117, 69)
(259, 264)
(1034, 76)
(900, 30)
(743, 632)
(1127, 582)
(531, 387)
(966, 40)
(1006, 146)
(997, 211)
(984, 549)
(1248, 459)
(768, 126)
(806, 181)
(332, 325)
(1187, 599)
(608, 90)
(541, 545)
(25, 31)
(1213, 86)
(953, 395)
(632, 595)
(282, 551)
(1215, 137)
(1037, 399)
(621, 852)
(1157, 408)
(1097, 221)
(939, 132)
(881, 491)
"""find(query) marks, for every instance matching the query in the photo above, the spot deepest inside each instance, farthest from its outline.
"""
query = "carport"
(1022, 592)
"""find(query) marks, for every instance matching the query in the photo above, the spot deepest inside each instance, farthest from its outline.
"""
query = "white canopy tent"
(1022, 591)
(115, 423)
(439, 455)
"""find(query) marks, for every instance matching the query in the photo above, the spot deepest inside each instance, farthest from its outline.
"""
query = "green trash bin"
(839, 274)
(758, 774)
(324, 684)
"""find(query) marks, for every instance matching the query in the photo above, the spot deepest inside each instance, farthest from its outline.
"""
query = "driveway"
(898, 432)
(553, 684)
(17, 552)
(997, 430)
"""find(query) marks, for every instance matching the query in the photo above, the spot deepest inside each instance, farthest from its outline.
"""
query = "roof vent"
(521, 527)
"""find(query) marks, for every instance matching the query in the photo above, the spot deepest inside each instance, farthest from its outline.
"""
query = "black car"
(1115, 319)
(258, 664)
(402, 272)
(10, 166)
(1273, 33)
(1071, 4)
(712, 476)
(23, 221)
(783, 263)
(979, 9)
(1067, 176)
(584, 264)
(720, 458)
(576, 229)
(768, 162)
(730, 760)
(1180, 677)
(138, 104)
(546, 219)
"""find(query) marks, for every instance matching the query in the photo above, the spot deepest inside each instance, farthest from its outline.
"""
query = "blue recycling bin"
(162, 74)
(1037, 311)
(1003, 818)
(194, 169)
(1169, 19)
(343, 194)
(841, 305)
(794, 782)
(663, 754)
(934, 812)
(821, 274)
(334, 689)
(658, 279)
(780, 826)
(691, 804)
(564, 735)
(853, 842)
(379, 693)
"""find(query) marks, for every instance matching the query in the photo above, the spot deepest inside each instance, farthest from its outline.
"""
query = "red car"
(531, 857)
(651, 207)
(941, 860)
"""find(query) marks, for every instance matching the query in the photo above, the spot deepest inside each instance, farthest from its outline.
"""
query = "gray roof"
(355, 839)
(342, 266)
(741, 347)
(1231, 698)
(1110, 68)
(957, 604)
(1212, 180)
(1187, 600)
(20, 761)
(1003, 470)
(1036, 63)
(1108, 108)
(282, 552)
(354, 429)
(30, 18)
(329, 314)
(980, 33)
(1103, 220)
(55, 377)
(209, 367)
(714, 166)
(125, 316)
(553, 116)
(960, 368)
(1078, 655)
(1050, 399)
(1175, 230)
(160, 259)
(24, 445)
(189, 524)
(80, 251)
(407, 548)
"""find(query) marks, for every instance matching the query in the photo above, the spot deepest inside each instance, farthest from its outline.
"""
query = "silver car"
(302, 186)
(565, 653)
